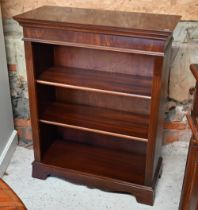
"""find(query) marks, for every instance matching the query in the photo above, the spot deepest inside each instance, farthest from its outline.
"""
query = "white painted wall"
(8, 137)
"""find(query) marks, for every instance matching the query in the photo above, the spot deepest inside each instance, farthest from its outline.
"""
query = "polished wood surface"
(142, 193)
(104, 100)
(95, 40)
(101, 18)
(96, 160)
(189, 194)
(98, 84)
(113, 33)
(117, 123)
(9, 199)
(104, 60)
(32, 99)
(100, 140)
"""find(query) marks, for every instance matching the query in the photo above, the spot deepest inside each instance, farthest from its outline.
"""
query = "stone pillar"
(182, 83)
(18, 81)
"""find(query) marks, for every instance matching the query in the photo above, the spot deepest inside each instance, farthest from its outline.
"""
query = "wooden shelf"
(99, 120)
(100, 81)
(96, 161)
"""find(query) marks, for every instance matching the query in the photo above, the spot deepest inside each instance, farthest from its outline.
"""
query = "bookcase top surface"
(99, 19)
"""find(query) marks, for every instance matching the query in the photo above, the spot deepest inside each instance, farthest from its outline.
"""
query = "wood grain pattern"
(95, 41)
(143, 194)
(117, 123)
(32, 98)
(100, 140)
(82, 79)
(186, 8)
(89, 18)
(48, 94)
(93, 160)
(154, 121)
(98, 82)
(101, 60)
(157, 113)
(139, 105)
(9, 199)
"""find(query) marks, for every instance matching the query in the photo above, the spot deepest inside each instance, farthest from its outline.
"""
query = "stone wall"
(184, 52)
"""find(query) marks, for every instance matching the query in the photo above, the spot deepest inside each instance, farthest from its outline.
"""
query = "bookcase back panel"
(52, 132)
(91, 59)
(122, 103)
(49, 94)
(96, 92)
(103, 60)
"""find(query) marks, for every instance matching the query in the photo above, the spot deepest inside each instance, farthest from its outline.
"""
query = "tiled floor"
(57, 194)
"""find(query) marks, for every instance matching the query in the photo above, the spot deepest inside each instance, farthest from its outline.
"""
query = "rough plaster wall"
(184, 52)
(186, 8)
(15, 46)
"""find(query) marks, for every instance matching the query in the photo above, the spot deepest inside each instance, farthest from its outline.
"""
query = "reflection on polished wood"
(9, 199)
(101, 18)
(98, 82)
(113, 83)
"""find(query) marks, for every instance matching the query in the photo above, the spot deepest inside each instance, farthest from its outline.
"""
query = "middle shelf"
(99, 81)
(96, 119)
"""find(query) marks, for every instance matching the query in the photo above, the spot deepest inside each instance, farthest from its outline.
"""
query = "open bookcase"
(97, 92)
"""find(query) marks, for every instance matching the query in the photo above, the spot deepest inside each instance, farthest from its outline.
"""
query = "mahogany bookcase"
(97, 86)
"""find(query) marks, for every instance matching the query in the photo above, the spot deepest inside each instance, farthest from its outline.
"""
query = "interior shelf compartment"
(93, 70)
(99, 161)
(96, 119)
(93, 153)
(108, 82)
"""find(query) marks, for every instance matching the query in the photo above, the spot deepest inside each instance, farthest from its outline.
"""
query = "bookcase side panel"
(32, 99)
(154, 120)
(159, 98)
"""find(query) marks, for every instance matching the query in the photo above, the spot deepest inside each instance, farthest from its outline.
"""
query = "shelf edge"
(92, 89)
(93, 130)
(113, 49)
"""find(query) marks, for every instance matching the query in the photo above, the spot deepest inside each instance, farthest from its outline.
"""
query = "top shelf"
(98, 81)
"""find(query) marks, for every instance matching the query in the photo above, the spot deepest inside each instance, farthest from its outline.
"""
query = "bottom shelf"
(100, 161)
